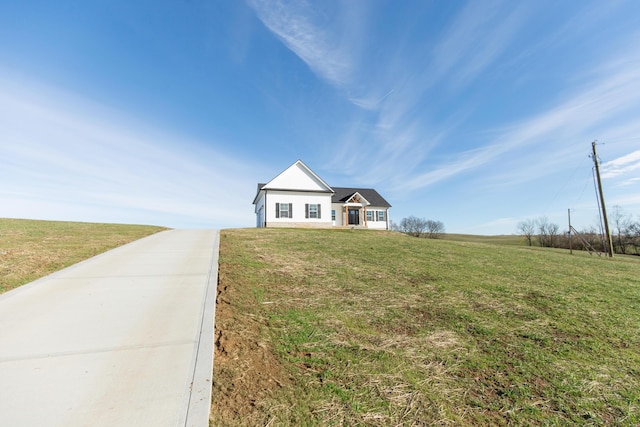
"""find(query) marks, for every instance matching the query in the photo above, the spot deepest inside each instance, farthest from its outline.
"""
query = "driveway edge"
(199, 406)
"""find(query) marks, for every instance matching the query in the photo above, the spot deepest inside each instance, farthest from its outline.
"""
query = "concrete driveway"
(122, 339)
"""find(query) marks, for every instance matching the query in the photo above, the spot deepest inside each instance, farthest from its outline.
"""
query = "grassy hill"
(348, 327)
(31, 249)
(354, 327)
(507, 239)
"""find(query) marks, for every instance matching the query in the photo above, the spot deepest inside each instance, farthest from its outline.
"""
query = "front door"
(354, 216)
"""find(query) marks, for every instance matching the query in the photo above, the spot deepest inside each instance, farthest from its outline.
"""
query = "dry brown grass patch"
(32, 249)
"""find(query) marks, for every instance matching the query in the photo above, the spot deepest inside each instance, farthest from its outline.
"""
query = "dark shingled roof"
(342, 194)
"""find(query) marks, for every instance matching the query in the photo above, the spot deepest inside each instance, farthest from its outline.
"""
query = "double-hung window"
(312, 210)
(381, 216)
(284, 210)
(370, 215)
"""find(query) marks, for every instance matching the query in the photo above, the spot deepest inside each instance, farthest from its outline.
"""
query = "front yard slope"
(354, 327)
(31, 249)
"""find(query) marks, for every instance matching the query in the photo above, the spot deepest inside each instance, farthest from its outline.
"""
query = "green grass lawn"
(507, 239)
(32, 249)
(378, 328)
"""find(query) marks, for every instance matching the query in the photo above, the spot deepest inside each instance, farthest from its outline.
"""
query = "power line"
(616, 141)
(564, 185)
(586, 183)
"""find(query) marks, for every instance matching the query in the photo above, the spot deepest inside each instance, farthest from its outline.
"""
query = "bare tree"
(413, 226)
(435, 229)
(420, 227)
(621, 229)
(527, 228)
(634, 236)
(552, 231)
(547, 232)
(542, 223)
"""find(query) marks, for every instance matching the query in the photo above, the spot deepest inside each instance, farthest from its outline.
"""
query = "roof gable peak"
(358, 198)
(298, 176)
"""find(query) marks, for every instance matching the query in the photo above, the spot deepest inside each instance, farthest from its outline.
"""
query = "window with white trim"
(381, 216)
(370, 215)
(284, 210)
(312, 210)
(333, 214)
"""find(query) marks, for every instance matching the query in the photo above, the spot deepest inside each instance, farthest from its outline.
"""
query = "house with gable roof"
(298, 197)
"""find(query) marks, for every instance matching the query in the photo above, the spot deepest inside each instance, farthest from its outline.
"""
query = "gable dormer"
(358, 198)
(298, 177)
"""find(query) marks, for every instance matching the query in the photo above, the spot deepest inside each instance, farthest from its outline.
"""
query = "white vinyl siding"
(295, 212)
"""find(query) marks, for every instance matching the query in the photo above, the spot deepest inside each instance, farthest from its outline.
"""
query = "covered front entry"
(355, 211)
(354, 216)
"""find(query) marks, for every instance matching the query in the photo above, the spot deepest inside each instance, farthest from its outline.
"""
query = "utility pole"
(608, 241)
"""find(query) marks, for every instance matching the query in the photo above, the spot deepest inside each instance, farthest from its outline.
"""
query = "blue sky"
(479, 114)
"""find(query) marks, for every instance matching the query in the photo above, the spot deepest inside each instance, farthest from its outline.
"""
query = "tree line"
(419, 227)
(625, 234)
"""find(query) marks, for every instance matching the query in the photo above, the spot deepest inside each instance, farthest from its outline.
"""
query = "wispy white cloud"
(629, 182)
(63, 156)
(303, 31)
(621, 165)
(463, 163)
(370, 101)
(478, 36)
(403, 135)
(588, 111)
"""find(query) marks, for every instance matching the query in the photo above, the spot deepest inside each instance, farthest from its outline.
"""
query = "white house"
(298, 197)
